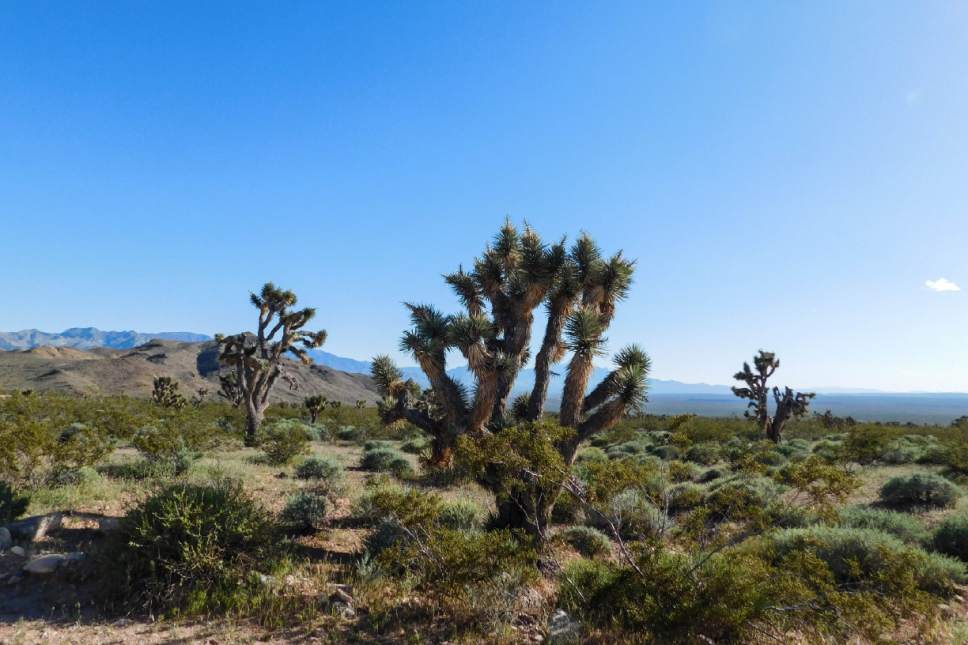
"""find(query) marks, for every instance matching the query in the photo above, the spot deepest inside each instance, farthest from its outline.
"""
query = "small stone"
(14, 579)
(5, 540)
(18, 551)
(46, 563)
(75, 556)
(341, 596)
(563, 629)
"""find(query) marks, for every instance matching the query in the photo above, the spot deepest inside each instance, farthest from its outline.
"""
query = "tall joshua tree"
(513, 277)
(789, 404)
(257, 359)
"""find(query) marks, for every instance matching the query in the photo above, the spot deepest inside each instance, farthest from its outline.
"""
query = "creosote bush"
(285, 440)
(383, 459)
(588, 541)
(903, 526)
(921, 490)
(322, 470)
(951, 537)
(189, 548)
(461, 515)
(305, 511)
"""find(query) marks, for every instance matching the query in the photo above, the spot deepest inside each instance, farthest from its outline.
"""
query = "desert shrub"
(349, 433)
(305, 511)
(12, 504)
(740, 498)
(461, 515)
(374, 444)
(867, 559)
(864, 444)
(385, 499)
(903, 526)
(772, 457)
(416, 445)
(567, 510)
(385, 459)
(189, 547)
(829, 450)
(904, 450)
(632, 515)
(711, 475)
(285, 440)
(591, 453)
(73, 476)
(681, 471)
(638, 446)
(386, 534)
(588, 541)
(685, 496)
(925, 490)
(324, 470)
(703, 453)
(677, 598)
(820, 485)
(794, 449)
(951, 536)
(665, 452)
(715, 429)
(780, 514)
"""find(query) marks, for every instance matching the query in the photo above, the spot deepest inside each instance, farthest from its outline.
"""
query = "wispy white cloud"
(941, 284)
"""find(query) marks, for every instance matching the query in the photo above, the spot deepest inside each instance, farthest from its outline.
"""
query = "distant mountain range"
(109, 368)
(90, 338)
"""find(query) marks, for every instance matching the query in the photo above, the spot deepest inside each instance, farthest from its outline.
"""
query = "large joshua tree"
(788, 404)
(258, 359)
(513, 277)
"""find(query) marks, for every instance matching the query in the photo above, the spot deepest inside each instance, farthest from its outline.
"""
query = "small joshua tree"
(257, 359)
(314, 405)
(789, 404)
(515, 275)
(165, 393)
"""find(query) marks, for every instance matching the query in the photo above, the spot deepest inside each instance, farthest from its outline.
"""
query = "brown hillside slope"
(132, 371)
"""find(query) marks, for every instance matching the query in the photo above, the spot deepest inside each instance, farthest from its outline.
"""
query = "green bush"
(388, 533)
(683, 497)
(703, 453)
(951, 536)
(632, 514)
(867, 558)
(189, 547)
(711, 475)
(384, 459)
(349, 433)
(73, 476)
(305, 511)
(415, 446)
(740, 498)
(322, 469)
(682, 471)
(903, 526)
(665, 452)
(285, 440)
(588, 541)
(675, 599)
(12, 504)
(591, 453)
(924, 490)
(461, 515)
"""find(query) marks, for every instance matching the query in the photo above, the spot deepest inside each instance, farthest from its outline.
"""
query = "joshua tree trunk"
(253, 421)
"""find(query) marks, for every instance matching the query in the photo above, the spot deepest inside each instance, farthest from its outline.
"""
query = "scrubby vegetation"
(448, 515)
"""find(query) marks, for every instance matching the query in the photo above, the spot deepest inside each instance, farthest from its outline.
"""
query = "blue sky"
(789, 175)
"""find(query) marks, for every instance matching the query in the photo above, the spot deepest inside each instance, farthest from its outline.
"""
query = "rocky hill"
(132, 371)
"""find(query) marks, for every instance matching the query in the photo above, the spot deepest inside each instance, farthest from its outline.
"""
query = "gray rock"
(5, 540)
(18, 551)
(45, 564)
(562, 628)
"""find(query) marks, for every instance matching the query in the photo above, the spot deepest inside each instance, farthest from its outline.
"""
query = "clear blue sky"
(788, 174)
